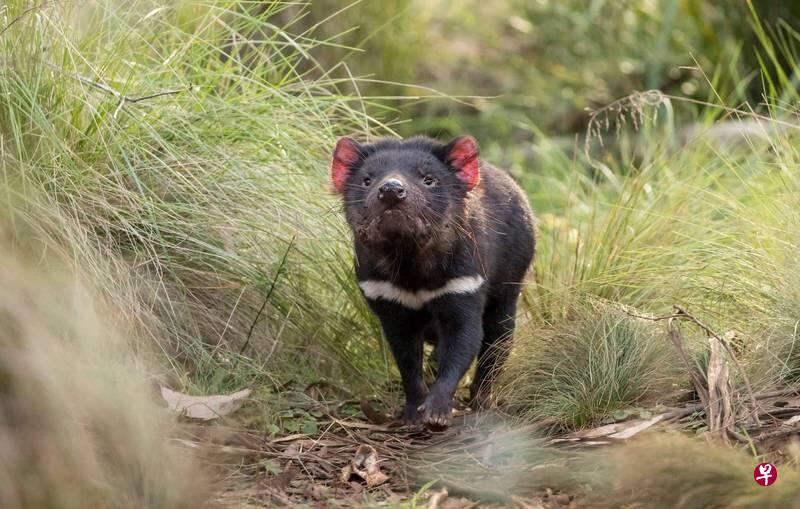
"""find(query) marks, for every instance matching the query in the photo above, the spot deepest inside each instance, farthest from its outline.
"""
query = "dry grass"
(79, 426)
(676, 472)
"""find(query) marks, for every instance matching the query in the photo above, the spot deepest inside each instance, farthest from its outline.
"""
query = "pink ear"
(462, 154)
(345, 156)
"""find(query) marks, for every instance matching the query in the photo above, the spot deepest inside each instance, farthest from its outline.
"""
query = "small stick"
(680, 413)
(728, 348)
(122, 98)
(677, 340)
(437, 498)
(269, 294)
(680, 312)
(22, 15)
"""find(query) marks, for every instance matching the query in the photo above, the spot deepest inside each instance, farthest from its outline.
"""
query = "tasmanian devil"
(442, 243)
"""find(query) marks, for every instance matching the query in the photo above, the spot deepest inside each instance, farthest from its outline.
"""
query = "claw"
(435, 415)
(411, 416)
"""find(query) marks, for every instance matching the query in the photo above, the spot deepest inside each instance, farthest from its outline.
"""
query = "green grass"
(79, 424)
(705, 227)
(600, 361)
(201, 194)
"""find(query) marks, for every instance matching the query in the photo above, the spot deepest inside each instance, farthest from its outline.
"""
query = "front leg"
(403, 331)
(460, 320)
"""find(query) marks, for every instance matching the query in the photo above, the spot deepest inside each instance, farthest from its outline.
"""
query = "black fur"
(437, 233)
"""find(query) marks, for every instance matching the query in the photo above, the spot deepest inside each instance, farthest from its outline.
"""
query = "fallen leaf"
(298, 447)
(792, 420)
(204, 408)
(636, 427)
(618, 430)
(437, 498)
(284, 479)
(365, 464)
(458, 503)
(602, 431)
(373, 415)
(316, 491)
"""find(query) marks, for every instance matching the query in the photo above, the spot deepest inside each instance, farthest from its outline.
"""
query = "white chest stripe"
(385, 290)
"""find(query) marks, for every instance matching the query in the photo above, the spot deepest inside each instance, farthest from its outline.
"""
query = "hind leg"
(498, 328)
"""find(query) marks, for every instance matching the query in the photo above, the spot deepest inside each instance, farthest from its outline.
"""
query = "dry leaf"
(282, 481)
(618, 430)
(458, 503)
(373, 415)
(204, 408)
(635, 427)
(316, 491)
(437, 498)
(602, 431)
(794, 419)
(365, 465)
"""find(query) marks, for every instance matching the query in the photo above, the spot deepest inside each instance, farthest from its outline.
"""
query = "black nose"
(392, 191)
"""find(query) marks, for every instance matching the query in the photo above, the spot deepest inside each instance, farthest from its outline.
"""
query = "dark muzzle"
(392, 192)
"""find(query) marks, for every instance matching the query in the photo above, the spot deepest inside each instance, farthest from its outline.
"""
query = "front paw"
(435, 412)
(411, 416)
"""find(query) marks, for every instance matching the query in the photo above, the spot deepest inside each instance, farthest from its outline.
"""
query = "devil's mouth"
(394, 224)
(392, 220)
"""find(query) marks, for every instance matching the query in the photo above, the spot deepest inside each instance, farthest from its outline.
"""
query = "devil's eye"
(367, 181)
(429, 180)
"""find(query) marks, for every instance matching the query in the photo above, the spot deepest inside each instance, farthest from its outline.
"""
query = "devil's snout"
(392, 191)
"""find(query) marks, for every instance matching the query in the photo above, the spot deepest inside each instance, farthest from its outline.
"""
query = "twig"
(782, 432)
(522, 504)
(728, 349)
(680, 413)
(681, 313)
(732, 433)
(651, 318)
(699, 386)
(778, 393)
(269, 294)
(122, 98)
(22, 15)
(437, 498)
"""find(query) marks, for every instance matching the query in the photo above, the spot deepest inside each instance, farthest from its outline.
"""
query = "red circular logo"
(765, 474)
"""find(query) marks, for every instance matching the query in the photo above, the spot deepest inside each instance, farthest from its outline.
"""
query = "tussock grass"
(601, 360)
(710, 225)
(214, 197)
(78, 422)
(673, 471)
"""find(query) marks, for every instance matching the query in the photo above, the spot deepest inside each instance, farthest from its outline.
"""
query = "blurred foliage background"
(523, 67)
